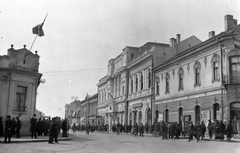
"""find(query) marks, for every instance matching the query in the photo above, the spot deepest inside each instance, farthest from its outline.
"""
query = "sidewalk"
(39, 139)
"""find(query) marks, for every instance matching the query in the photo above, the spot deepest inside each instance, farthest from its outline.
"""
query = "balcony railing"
(141, 93)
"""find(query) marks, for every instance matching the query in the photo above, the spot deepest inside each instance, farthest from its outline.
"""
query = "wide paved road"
(112, 143)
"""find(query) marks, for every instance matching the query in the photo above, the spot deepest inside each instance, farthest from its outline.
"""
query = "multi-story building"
(88, 111)
(112, 91)
(139, 68)
(198, 81)
(19, 80)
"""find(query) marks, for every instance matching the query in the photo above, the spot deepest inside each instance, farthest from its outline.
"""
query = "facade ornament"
(205, 61)
(188, 67)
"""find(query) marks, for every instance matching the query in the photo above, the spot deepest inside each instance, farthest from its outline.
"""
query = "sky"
(81, 36)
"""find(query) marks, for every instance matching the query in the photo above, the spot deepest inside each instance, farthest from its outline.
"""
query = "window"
(149, 78)
(216, 115)
(157, 88)
(141, 80)
(131, 85)
(180, 77)
(136, 83)
(21, 97)
(235, 69)
(180, 114)
(215, 71)
(166, 115)
(140, 118)
(157, 115)
(197, 114)
(197, 68)
(167, 79)
(215, 68)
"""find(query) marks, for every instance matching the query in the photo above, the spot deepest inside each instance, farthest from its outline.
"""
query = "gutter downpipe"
(221, 50)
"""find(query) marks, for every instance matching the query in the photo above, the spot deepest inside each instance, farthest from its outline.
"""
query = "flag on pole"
(38, 29)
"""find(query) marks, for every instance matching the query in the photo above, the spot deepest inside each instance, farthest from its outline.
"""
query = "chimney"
(173, 42)
(211, 34)
(178, 38)
(229, 22)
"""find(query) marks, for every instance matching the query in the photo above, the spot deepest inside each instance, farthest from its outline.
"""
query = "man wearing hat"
(33, 127)
(8, 129)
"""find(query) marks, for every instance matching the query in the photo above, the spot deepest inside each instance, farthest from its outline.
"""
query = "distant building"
(88, 111)
(71, 112)
(19, 80)
(198, 81)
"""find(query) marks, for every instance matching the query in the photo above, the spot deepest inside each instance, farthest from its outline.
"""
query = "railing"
(141, 93)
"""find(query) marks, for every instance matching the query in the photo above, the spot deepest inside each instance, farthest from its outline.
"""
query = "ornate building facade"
(200, 80)
(19, 80)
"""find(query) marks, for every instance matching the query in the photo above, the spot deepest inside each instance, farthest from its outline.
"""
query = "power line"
(74, 71)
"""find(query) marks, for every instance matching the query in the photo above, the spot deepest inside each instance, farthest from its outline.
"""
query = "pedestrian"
(234, 125)
(18, 127)
(64, 128)
(202, 130)
(222, 130)
(14, 127)
(141, 130)
(229, 131)
(192, 132)
(210, 128)
(87, 128)
(33, 127)
(1, 127)
(8, 129)
(164, 130)
(53, 131)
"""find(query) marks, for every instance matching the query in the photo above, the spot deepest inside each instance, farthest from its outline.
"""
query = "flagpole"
(33, 42)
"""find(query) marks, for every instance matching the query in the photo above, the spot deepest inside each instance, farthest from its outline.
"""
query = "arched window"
(197, 114)
(140, 118)
(197, 70)
(166, 115)
(135, 117)
(180, 114)
(180, 79)
(215, 68)
(216, 111)
(167, 81)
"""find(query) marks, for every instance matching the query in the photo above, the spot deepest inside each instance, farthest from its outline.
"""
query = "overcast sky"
(82, 35)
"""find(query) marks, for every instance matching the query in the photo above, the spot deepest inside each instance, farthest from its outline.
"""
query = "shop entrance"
(235, 110)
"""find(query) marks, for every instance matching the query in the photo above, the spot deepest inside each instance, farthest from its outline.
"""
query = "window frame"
(197, 74)
(167, 83)
(215, 71)
(232, 81)
(180, 79)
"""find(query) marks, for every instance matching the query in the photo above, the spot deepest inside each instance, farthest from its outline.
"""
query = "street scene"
(120, 76)
(111, 142)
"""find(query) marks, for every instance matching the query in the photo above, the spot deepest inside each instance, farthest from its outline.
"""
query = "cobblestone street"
(110, 142)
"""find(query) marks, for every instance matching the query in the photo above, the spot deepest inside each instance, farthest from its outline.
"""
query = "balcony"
(142, 93)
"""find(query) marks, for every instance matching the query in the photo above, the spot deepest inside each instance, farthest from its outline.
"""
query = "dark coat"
(8, 127)
(33, 127)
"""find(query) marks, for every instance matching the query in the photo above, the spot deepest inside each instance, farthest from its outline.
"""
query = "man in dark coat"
(210, 128)
(64, 128)
(202, 130)
(141, 130)
(8, 129)
(164, 130)
(229, 131)
(192, 132)
(53, 131)
(18, 127)
(33, 127)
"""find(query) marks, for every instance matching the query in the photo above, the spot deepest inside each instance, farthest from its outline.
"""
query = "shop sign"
(236, 105)
(137, 105)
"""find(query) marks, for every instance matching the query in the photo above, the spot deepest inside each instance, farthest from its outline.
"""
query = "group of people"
(39, 127)
(12, 128)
